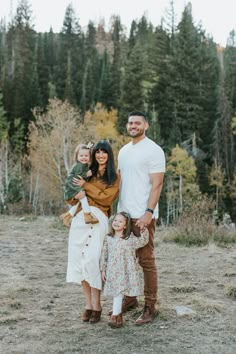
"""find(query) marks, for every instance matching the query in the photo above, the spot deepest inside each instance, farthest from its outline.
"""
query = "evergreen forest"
(78, 85)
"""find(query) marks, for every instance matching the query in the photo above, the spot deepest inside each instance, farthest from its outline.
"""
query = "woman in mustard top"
(86, 240)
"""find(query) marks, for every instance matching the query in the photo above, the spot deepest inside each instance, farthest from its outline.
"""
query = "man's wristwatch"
(150, 210)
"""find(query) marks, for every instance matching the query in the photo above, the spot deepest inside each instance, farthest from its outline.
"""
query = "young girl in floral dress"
(119, 266)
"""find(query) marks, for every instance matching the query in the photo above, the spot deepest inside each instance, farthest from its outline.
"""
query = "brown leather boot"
(148, 314)
(95, 317)
(87, 315)
(116, 321)
(129, 303)
(90, 219)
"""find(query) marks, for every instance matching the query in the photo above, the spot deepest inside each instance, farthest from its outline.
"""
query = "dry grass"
(199, 235)
(230, 291)
(183, 289)
(196, 227)
(204, 305)
(40, 313)
(230, 274)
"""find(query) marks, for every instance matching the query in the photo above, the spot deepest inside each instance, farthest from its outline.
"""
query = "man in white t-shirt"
(142, 166)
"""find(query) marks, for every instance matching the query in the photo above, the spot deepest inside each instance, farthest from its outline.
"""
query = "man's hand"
(144, 221)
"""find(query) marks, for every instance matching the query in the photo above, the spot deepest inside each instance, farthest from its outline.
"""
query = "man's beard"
(139, 133)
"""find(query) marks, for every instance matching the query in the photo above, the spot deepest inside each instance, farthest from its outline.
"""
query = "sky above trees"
(217, 17)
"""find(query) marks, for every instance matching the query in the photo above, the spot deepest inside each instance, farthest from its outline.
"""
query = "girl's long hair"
(110, 175)
(127, 230)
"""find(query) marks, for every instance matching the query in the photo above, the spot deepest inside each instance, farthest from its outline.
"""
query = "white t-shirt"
(136, 162)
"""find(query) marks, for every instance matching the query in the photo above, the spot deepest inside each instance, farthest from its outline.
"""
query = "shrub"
(196, 226)
(230, 291)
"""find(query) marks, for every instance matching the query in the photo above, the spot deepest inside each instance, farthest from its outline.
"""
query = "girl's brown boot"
(116, 321)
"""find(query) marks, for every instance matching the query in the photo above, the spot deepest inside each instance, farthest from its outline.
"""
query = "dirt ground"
(40, 313)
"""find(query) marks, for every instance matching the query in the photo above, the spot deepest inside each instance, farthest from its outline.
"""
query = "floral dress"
(120, 263)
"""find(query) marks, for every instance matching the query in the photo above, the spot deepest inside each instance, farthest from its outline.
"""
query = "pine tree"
(105, 84)
(132, 36)
(229, 84)
(2, 48)
(161, 98)
(90, 82)
(35, 97)
(229, 63)
(50, 51)
(69, 70)
(43, 70)
(132, 97)
(116, 66)
(185, 97)
(3, 121)
(19, 68)
(136, 75)
(88, 91)
(186, 61)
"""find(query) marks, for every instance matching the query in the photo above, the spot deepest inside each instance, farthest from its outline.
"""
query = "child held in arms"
(82, 156)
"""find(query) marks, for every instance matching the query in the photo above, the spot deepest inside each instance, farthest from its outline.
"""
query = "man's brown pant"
(146, 259)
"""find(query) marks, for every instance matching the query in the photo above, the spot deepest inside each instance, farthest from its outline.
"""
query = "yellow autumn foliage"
(104, 123)
(216, 177)
(53, 138)
(181, 164)
(233, 187)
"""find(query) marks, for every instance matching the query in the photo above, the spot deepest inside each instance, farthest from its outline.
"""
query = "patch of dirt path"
(40, 313)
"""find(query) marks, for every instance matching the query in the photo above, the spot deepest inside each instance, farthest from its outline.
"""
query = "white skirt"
(84, 249)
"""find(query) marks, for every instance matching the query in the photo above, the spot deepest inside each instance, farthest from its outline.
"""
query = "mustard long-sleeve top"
(100, 194)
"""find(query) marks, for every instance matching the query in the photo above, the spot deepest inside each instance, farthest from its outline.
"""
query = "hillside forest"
(78, 85)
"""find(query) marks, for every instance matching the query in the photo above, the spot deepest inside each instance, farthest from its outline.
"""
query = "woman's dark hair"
(127, 230)
(110, 175)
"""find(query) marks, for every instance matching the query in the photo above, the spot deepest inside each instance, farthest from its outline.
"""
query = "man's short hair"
(138, 113)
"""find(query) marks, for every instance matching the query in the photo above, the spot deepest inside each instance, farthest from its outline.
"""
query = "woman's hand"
(89, 173)
(80, 195)
(103, 276)
(78, 181)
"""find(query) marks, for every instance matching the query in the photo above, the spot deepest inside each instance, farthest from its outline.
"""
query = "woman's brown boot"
(95, 317)
(87, 315)
(116, 321)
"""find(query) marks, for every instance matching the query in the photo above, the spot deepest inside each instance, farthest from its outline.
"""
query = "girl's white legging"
(117, 304)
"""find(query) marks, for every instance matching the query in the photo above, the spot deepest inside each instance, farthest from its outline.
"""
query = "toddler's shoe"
(116, 321)
(129, 303)
(90, 219)
(66, 217)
